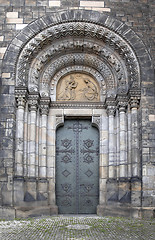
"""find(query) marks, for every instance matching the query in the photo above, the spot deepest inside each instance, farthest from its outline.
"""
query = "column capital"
(20, 96)
(122, 103)
(134, 98)
(33, 101)
(110, 106)
(111, 110)
(44, 105)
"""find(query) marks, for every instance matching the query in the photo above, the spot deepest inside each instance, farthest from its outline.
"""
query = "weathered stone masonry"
(34, 58)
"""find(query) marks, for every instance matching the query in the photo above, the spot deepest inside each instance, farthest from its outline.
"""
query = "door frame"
(56, 119)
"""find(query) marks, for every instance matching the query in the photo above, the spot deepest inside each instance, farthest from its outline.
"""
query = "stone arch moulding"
(48, 49)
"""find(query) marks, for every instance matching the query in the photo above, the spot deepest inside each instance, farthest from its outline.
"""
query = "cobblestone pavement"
(77, 227)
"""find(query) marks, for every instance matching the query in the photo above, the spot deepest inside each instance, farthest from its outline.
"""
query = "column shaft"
(112, 148)
(135, 154)
(129, 145)
(111, 109)
(123, 144)
(33, 106)
(32, 144)
(21, 96)
(19, 140)
(43, 148)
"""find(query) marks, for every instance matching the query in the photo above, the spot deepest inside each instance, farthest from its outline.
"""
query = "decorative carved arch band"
(76, 29)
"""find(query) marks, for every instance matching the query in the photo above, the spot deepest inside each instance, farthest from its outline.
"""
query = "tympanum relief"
(78, 87)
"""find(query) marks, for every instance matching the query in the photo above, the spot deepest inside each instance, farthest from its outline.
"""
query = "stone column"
(44, 109)
(129, 145)
(20, 95)
(111, 109)
(118, 142)
(135, 154)
(33, 106)
(25, 158)
(122, 106)
(111, 182)
(124, 182)
(135, 149)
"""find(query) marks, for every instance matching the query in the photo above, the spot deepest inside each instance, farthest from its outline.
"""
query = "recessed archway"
(89, 46)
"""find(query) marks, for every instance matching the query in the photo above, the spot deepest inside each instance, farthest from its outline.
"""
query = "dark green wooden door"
(77, 167)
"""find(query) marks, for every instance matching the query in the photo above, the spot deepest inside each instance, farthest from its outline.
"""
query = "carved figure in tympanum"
(77, 87)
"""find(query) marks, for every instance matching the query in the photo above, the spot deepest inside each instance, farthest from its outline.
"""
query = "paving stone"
(87, 227)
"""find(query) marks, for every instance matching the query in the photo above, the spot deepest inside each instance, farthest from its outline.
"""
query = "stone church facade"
(77, 121)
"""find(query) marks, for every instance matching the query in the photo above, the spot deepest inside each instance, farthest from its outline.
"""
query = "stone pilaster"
(104, 161)
(21, 97)
(33, 107)
(51, 138)
(123, 161)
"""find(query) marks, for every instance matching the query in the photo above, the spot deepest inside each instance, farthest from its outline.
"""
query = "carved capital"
(134, 102)
(111, 106)
(111, 110)
(134, 96)
(122, 103)
(21, 96)
(44, 106)
(33, 102)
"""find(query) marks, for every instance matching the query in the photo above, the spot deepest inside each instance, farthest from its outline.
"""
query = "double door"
(77, 167)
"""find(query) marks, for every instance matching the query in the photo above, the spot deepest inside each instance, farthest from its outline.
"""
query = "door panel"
(77, 163)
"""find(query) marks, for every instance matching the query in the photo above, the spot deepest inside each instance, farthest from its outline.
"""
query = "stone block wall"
(15, 15)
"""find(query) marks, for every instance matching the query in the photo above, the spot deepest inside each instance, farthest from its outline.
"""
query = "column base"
(129, 212)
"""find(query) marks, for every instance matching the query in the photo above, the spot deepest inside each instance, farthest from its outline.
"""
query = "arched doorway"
(77, 167)
(108, 57)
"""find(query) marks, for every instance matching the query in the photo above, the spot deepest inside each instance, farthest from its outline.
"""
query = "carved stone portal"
(78, 87)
